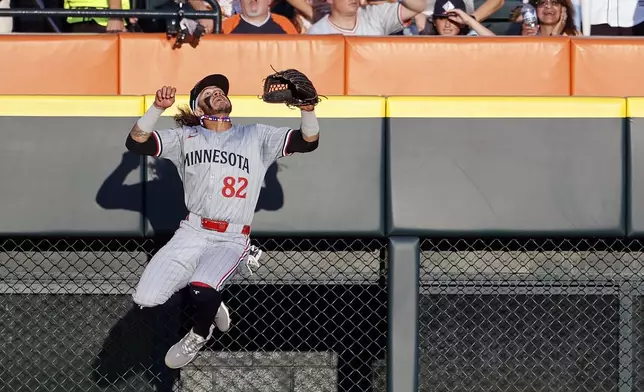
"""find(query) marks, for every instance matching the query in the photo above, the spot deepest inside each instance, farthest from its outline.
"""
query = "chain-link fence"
(495, 315)
(556, 315)
(312, 318)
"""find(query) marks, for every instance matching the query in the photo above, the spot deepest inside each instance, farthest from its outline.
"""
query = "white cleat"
(222, 318)
(254, 253)
(184, 351)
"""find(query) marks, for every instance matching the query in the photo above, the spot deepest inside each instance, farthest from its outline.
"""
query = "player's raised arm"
(293, 88)
(306, 138)
(139, 140)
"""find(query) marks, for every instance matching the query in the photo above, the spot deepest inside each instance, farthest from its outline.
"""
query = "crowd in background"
(358, 17)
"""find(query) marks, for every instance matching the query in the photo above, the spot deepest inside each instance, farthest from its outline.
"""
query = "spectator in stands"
(486, 9)
(617, 17)
(6, 24)
(96, 25)
(349, 17)
(556, 17)
(298, 11)
(256, 18)
(449, 17)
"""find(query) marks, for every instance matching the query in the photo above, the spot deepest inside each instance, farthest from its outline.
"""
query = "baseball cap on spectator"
(442, 7)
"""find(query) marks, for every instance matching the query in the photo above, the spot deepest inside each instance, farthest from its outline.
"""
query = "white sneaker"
(222, 318)
(184, 351)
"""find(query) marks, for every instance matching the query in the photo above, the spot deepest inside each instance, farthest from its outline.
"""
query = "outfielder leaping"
(222, 166)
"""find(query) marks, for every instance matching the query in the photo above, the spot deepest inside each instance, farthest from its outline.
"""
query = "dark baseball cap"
(214, 80)
(442, 7)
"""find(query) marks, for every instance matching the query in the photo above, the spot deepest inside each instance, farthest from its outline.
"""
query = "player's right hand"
(165, 97)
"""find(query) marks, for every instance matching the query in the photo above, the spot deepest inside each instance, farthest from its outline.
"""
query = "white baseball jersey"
(372, 20)
(617, 13)
(222, 174)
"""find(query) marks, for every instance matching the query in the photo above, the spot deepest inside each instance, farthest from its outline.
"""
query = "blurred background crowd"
(355, 17)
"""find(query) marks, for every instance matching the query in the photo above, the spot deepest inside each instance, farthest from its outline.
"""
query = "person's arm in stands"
(394, 16)
(303, 6)
(284, 23)
(411, 8)
(461, 17)
(200, 5)
(115, 24)
(487, 9)
(421, 21)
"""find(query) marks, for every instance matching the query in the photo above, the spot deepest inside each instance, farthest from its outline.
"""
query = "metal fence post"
(627, 359)
(402, 344)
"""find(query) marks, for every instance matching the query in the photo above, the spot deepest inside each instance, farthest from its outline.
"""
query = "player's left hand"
(292, 88)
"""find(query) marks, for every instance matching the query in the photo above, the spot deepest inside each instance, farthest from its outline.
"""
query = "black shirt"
(276, 24)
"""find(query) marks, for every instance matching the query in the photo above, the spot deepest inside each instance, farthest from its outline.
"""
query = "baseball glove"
(291, 87)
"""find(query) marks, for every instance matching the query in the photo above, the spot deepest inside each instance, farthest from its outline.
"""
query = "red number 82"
(235, 187)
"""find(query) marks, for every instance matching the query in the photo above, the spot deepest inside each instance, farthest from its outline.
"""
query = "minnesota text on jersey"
(222, 166)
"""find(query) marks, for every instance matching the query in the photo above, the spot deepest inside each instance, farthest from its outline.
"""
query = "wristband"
(147, 121)
(310, 126)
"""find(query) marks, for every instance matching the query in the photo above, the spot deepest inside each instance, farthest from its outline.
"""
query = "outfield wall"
(429, 243)
(402, 165)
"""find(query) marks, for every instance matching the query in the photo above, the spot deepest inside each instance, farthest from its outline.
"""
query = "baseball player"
(222, 166)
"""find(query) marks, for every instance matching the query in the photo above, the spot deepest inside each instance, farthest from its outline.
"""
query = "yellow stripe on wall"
(339, 107)
(70, 106)
(506, 107)
(331, 107)
(635, 107)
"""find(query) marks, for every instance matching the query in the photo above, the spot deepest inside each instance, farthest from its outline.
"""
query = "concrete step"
(261, 372)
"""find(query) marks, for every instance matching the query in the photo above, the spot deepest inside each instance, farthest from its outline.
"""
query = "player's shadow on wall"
(137, 343)
(164, 193)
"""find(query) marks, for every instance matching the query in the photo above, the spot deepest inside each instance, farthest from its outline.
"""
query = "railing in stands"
(178, 14)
